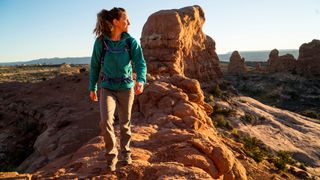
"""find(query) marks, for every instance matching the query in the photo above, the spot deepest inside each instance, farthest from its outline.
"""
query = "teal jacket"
(117, 65)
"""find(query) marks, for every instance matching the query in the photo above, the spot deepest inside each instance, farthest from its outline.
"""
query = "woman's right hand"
(93, 96)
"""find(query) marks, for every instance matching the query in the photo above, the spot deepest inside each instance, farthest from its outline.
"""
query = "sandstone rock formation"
(307, 63)
(258, 68)
(285, 63)
(309, 58)
(173, 43)
(173, 137)
(237, 64)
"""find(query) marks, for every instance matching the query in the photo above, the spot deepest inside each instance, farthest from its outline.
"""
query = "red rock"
(173, 136)
(173, 43)
(258, 68)
(237, 64)
(285, 63)
(309, 58)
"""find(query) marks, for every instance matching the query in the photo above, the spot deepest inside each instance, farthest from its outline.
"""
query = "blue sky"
(33, 29)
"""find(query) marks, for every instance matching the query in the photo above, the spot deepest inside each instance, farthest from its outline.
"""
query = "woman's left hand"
(138, 88)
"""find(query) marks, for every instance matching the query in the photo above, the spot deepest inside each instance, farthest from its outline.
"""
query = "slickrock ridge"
(237, 64)
(278, 129)
(173, 43)
(283, 130)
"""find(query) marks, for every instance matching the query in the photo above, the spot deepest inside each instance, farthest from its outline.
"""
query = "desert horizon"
(253, 55)
(200, 115)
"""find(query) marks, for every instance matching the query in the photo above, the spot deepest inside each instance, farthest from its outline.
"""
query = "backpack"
(105, 48)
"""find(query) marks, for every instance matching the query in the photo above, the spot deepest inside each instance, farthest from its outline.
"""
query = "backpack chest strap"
(106, 49)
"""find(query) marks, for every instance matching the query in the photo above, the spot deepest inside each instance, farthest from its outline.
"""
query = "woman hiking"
(113, 51)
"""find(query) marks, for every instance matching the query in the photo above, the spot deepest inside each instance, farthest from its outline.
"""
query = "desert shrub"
(234, 131)
(216, 91)
(221, 122)
(243, 101)
(235, 134)
(282, 159)
(311, 114)
(222, 111)
(254, 148)
(208, 98)
(302, 166)
(249, 118)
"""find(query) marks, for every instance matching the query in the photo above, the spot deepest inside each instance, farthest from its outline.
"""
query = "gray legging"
(109, 100)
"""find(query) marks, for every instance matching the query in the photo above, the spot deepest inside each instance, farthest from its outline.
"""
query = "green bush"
(249, 118)
(235, 135)
(225, 112)
(282, 159)
(216, 91)
(221, 122)
(254, 148)
(303, 167)
(234, 132)
(208, 98)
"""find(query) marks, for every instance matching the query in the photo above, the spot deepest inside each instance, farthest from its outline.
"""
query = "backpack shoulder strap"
(128, 46)
(104, 49)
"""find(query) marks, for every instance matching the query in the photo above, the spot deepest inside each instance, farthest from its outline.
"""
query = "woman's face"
(123, 23)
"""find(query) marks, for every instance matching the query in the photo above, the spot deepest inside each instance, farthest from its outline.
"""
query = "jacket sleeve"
(95, 65)
(138, 61)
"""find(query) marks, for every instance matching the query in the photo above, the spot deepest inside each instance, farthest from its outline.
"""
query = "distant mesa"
(237, 64)
(173, 43)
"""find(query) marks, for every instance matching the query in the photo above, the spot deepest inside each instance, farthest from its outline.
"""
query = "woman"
(113, 51)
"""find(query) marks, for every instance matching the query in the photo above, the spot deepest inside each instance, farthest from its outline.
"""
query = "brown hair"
(105, 19)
